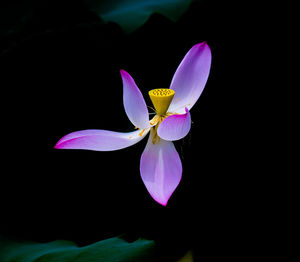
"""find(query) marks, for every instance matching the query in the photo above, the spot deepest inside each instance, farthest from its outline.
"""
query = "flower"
(160, 164)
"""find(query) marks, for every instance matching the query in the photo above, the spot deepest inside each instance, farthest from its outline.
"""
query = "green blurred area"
(109, 250)
(128, 14)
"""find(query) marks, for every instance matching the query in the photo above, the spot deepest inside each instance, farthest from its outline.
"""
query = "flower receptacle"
(161, 99)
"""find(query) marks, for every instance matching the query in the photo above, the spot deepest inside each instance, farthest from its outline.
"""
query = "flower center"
(161, 99)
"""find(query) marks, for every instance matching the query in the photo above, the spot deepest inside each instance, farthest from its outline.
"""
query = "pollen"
(161, 99)
(141, 133)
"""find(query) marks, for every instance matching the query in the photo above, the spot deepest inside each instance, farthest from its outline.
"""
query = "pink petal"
(134, 103)
(175, 127)
(190, 78)
(100, 140)
(160, 169)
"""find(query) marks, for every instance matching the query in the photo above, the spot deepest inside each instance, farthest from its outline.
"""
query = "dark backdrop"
(60, 73)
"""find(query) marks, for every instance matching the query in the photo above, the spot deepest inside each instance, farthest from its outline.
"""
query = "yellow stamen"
(156, 138)
(141, 133)
(161, 99)
(154, 120)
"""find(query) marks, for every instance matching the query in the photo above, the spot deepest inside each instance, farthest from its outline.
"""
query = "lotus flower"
(160, 164)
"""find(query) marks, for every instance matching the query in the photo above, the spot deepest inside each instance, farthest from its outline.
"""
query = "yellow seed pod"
(161, 99)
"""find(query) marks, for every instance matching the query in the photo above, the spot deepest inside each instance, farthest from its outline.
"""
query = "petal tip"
(162, 202)
(126, 76)
(58, 145)
(124, 73)
(201, 45)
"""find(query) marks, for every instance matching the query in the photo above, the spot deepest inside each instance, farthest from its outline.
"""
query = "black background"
(60, 73)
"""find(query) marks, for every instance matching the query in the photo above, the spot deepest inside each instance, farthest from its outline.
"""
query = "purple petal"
(160, 169)
(134, 103)
(100, 140)
(190, 78)
(175, 127)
